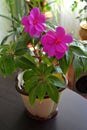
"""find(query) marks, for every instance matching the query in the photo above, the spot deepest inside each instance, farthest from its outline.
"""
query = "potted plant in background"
(42, 54)
(81, 62)
(82, 16)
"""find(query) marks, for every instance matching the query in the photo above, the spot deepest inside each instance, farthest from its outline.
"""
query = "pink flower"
(34, 23)
(56, 43)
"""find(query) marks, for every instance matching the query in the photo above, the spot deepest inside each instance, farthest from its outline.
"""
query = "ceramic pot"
(83, 31)
(71, 76)
(40, 111)
(81, 85)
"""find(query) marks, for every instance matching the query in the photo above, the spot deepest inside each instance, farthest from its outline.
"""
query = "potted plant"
(77, 72)
(42, 55)
(82, 16)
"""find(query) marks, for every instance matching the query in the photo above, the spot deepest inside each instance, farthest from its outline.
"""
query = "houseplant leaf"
(78, 68)
(52, 92)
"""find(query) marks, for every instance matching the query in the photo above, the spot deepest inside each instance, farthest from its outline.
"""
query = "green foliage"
(24, 63)
(81, 11)
(77, 67)
(74, 5)
(16, 13)
(79, 52)
(40, 71)
(84, 63)
(7, 64)
(40, 81)
(43, 6)
(53, 92)
(65, 61)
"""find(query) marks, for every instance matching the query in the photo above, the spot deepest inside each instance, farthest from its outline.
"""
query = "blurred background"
(59, 12)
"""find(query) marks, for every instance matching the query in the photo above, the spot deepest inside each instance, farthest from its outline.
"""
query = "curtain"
(66, 18)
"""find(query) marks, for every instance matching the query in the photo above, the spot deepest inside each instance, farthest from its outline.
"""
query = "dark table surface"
(72, 111)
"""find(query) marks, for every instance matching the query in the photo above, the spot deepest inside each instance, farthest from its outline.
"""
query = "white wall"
(4, 24)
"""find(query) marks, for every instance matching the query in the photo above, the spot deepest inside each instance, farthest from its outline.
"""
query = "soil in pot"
(81, 85)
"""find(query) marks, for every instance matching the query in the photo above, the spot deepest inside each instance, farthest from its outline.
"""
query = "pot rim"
(83, 25)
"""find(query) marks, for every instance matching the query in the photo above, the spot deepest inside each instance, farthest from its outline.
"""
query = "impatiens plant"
(42, 52)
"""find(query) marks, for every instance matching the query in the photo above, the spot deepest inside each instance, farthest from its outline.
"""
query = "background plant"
(82, 12)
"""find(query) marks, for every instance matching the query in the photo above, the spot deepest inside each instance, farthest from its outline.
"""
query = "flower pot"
(81, 85)
(40, 110)
(71, 76)
(83, 31)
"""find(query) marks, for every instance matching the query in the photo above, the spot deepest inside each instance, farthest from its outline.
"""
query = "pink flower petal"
(35, 12)
(40, 27)
(47, 40)
(59, 55)
(26, 29)
(64, 47)
(51, 51)
(37, 34)
(25, 20)
(67, 38)
(51, 34)
(42, 18)
(30, 19)
(45, 49)
(32, 31)
(60, 32)
(60, 48)
(43, 40)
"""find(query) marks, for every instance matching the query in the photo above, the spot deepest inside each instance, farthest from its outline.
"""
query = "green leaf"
(8, 18)
(57, 82)
(24, 63)
(43, 67)
(7, 65)
(30, 73)
(78, 68)
(52, 92)
(74, 5)
(31, 80)
(49, 70)
(78, 51)
(30, 83)
(41, 91)
(32, 96)
(10, 65)
(65, 61)
(80, 11)
(5, 38)
(46, 60)
(21, 51)
(29, 57)
(84, 61)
